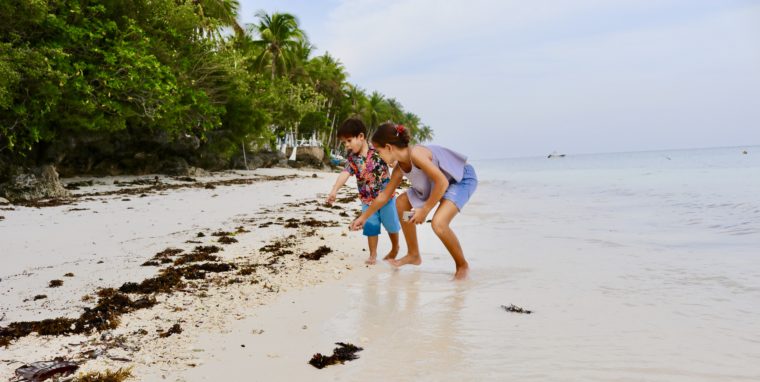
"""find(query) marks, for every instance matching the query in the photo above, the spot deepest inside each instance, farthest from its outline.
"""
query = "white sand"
(44, 244)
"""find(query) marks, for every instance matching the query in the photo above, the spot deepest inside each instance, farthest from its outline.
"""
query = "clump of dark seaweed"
(200, 234)
(248, 270)
(227, 240)
(221, 233)
(316, 255)
(104, 315)
(150, 263)
(198, 271)
(55, 283)
(168, 252)
(516, 309)
(167, 280)
(278, 248)
(175, 329)
(241, 229)
(344, 352)
(69, 275)
(200, 253)
(311, 222)
(40, 297)
(347, 199)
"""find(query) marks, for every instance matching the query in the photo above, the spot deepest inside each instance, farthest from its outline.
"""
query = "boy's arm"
(342, 179)
(380, 200)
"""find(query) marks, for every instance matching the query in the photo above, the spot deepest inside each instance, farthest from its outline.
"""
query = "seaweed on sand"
(316, 255)
(344, 352)
(106, 376)
(278, 248)
(200, 253)
(167, 280)
(198, 271)
(227, 240)
(55, 283)
(516, 309)
(104, 315)
(175, 329)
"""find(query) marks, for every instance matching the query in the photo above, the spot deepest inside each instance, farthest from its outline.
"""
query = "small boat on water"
(555, 154)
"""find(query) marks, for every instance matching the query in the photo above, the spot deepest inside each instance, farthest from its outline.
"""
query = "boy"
(372, 176)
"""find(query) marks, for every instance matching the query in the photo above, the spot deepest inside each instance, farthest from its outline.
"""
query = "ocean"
(636, 266)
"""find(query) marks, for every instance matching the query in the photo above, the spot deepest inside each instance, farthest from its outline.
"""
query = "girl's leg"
(410, 235)
(372, 241)
(441, 220)
(394, 247)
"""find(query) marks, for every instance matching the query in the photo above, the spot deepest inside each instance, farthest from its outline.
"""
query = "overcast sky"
(522, 78)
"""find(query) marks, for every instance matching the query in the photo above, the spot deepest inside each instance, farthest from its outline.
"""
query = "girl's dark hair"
(391, 134)
(352, 127)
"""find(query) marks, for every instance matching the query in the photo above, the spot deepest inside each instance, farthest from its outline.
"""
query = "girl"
(438, 176)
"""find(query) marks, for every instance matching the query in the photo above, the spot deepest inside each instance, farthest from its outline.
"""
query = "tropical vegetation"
(125, 81)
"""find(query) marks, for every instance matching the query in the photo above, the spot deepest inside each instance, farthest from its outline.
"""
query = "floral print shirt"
(371, 173)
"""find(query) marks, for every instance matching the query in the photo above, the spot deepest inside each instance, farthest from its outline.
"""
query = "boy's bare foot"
(371, 261)
(391, 255)
(462, 273)
(408, 259)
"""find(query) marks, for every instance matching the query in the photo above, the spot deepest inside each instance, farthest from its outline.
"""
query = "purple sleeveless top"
(451, 164)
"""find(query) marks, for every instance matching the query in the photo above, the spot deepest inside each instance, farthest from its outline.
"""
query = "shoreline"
(204, 306)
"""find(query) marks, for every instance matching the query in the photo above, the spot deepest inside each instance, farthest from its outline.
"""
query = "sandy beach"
(106, 235)
(631, 273)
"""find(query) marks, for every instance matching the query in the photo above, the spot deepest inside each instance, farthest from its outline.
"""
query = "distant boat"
(555, 154)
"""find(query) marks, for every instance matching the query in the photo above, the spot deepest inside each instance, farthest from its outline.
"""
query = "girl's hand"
(358, 223)
(420, 215)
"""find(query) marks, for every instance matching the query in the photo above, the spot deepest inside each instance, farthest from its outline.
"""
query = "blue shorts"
(387, 216)
(460, 192)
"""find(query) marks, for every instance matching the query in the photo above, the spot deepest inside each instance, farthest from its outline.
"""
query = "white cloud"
(578, 76)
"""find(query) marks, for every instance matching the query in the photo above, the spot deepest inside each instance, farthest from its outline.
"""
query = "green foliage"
(142, 73)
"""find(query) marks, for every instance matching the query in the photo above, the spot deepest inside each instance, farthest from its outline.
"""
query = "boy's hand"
(358, 223)
(331, 198)
(420, 215)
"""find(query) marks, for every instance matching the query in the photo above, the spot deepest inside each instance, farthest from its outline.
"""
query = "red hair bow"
(399, 130)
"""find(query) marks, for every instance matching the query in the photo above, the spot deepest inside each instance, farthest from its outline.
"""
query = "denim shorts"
(387, 216)
(460, 192)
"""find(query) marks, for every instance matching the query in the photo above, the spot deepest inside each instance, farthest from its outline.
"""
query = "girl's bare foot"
(408, 259)
(391, 255)
(462, 272)
(371, 261)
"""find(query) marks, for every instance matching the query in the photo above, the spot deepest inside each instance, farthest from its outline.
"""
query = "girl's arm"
(422, 160)
(387, 194)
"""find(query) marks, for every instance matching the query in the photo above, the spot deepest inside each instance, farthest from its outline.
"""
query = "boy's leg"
(372, 231)
(410, 234)
(389, 219)
(372, 242)
(441, 220)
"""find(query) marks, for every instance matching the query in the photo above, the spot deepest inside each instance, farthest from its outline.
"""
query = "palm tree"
(375, 109)
(218, 13)
(279, 36)
(394, 110)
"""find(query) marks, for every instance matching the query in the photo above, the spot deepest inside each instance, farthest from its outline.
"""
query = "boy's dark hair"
(352, 127)
(391, 134)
